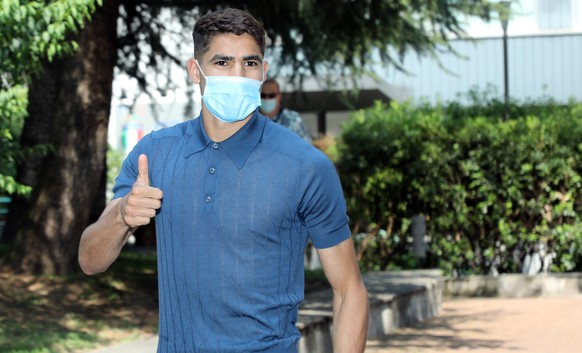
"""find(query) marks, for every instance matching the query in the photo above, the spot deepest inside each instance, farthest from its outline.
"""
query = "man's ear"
(193, 71)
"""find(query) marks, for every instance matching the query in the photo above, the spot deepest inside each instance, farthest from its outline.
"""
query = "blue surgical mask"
(268, 105)
(231, 98)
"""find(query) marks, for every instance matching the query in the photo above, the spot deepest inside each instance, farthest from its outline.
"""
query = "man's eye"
(221, 63)
(251, 63)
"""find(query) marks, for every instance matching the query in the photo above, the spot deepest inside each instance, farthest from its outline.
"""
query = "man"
(271, 107)
(236, 198)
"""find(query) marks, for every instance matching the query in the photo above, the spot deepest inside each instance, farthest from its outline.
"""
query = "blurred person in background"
(271, 107)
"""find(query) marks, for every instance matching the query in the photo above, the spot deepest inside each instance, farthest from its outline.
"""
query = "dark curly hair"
(226, 21)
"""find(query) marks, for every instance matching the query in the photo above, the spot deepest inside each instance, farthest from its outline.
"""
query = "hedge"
(491, 190)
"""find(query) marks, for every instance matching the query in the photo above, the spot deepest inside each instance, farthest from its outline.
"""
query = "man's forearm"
(102, 241)
(350, 323)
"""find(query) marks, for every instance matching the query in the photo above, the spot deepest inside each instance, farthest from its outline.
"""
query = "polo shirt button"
(211, 170)
(208, 199)
(215, 145)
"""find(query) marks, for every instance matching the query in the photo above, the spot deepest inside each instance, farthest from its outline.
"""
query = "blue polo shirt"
(234, 223)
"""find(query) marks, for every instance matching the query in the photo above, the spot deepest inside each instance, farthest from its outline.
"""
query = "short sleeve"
(323, 207)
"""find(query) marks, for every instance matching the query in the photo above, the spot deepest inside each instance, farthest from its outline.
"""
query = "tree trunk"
(69, 106)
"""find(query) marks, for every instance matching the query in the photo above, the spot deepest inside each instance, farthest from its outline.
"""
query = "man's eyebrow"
(252, 58)
(219, 57)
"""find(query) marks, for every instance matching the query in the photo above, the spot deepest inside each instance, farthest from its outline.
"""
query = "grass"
(39, 337)
(77, 313)
(58, 314)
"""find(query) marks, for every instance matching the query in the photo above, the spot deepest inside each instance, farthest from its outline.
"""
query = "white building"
(544, 60)
(544, 52)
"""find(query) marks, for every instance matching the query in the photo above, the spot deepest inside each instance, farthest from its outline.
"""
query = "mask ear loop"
(200, 68)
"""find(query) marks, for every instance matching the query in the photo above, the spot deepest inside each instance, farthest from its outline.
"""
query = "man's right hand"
(141, 203)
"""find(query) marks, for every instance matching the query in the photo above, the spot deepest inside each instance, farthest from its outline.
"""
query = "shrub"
(492, 190)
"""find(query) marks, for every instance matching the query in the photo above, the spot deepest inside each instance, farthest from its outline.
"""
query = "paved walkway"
(532, 325)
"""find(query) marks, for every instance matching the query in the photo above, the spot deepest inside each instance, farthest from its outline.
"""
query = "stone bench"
(397, 299)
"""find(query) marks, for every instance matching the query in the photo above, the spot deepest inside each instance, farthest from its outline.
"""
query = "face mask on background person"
(268, 105)
(231, 98)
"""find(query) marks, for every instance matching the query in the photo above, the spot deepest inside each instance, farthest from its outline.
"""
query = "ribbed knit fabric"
(235, 219)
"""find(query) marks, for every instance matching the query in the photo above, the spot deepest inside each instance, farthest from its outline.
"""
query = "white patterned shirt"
(294, 122)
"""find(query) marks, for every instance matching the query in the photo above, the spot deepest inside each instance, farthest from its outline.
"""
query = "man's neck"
(219, 131)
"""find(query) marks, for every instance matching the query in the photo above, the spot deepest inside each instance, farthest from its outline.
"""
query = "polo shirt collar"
(238, 147)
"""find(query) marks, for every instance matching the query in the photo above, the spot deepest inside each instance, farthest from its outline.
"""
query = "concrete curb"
(515, 285)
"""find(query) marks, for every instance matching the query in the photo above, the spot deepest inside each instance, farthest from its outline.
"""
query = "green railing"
(4, 202)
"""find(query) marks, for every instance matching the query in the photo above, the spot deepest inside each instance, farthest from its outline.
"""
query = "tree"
(30, 32)
(70, 101)
(68, 111)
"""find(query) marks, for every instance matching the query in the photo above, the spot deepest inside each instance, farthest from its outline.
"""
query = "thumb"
(142, 166)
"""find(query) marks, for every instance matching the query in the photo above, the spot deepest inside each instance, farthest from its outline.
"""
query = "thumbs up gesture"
(141, 203)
